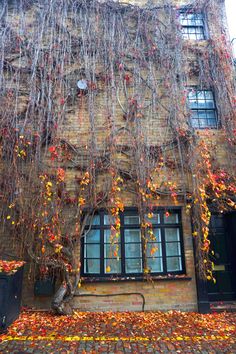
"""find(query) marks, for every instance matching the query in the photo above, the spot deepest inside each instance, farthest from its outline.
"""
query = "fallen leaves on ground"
(126, 326)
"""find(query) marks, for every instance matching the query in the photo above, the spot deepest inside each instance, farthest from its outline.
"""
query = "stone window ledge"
(138, 278)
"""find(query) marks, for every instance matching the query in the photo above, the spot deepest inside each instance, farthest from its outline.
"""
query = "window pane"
(193, 104)
(191, 30)
(93, 236)
(194, 114)
(111, 238)
(206, 118)
(212, 123)
(172, 218)
(95, 220)
(155, 264)
(209, 104)
(211, 115)
(157, 233)
(111, 251)
(184, 21)
(91, 251)
(185, 35)
(156, 237)
(195, 123)
(172, 234)
(202, 99)
(201, 95)
(173, 249)
(131, 219)
(109, 220)
(155, 219)
(192, 26)
(199, 16)
(202, 114)
(173, 264)
(200, 36)
(201, 103)
(132, 236)
(191, 18)
(209, 95)
(192, 36)
(202, 123)
(192, 95)
(112, 266)
(92, 266)
(154, 249)
(199, 23)
(133, 266)
(133, 250)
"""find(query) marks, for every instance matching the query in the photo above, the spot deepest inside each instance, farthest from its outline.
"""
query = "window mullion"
(102, 244)
(82, 254)
(122, 243)
(163, 244)
(143, 252)
(182, 245)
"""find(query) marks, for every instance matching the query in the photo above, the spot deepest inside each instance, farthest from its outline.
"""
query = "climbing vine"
(94, 114)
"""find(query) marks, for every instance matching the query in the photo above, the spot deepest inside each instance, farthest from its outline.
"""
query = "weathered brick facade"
(161, 292)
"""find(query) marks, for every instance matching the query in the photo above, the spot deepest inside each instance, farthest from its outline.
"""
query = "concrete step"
(221, 306)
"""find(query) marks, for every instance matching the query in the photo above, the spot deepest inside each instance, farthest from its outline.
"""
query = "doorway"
(223, 242)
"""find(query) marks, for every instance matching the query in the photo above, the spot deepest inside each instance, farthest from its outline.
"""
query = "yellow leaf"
(58, 248)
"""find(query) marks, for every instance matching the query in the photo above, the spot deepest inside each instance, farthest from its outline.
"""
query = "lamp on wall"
(82, 84)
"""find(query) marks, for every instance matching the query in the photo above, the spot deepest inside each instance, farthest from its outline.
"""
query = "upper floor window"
(105, 253)
(202, 106)
(192, 26)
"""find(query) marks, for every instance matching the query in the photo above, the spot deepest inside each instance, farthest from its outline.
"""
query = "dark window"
(202, 106)
(106, 252)
(192, 26)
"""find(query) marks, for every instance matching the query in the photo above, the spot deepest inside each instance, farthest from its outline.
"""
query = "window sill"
(200, 130)
(138, 278)
(197, 42)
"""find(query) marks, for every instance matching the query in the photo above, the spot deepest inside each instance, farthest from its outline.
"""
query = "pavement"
(128, 332)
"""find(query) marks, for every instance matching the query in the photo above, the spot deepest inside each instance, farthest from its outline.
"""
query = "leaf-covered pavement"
(128, 332)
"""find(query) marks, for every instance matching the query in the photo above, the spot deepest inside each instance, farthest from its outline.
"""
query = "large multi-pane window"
(106, 252)
(192, 25)
(203, 109)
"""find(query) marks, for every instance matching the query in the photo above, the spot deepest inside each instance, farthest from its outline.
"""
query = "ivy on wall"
(94, 112)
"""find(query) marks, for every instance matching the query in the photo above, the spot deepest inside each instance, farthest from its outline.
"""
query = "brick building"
(128, 110)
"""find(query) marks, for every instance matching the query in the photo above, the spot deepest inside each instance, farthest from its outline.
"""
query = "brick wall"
(159, 295)
(162, 294)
